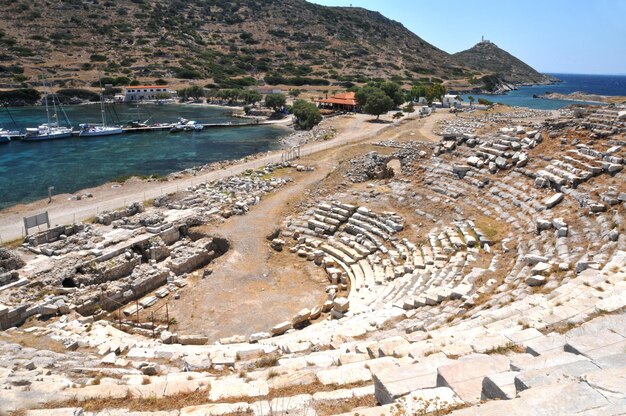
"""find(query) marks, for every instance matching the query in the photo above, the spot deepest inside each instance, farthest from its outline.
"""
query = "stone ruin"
(492, 293)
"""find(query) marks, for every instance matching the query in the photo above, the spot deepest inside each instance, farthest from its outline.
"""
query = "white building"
(145, 93)
(450, 100)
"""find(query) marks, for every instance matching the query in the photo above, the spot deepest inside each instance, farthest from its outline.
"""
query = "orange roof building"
(340, 102)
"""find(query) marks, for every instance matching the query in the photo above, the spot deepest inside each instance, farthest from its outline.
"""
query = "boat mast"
(6, 106)
(102, 102)
(45, 97)
(55, 115)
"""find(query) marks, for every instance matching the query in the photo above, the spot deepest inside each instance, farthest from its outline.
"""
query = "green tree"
(398, 115)
(378, 103)
(409, 109)
(393, 91)
(307, 114)
(251, 97)
(417, 91)
(162, 95)
(195, 91)
(275, 101)
(362, 94)
(435, 91)
(483, 101)
(295, 92)
(471, 99)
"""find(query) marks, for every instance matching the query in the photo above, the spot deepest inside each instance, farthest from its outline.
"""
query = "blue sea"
(592, 84)
(28, 168)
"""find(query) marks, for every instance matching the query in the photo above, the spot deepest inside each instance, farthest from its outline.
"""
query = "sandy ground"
(252, 287)
(63, 210)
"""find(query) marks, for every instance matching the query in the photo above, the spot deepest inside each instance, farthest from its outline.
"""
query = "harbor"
(27, 169)
(163, 127)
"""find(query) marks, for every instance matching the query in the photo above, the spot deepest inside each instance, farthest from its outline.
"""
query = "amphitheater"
(482, 273)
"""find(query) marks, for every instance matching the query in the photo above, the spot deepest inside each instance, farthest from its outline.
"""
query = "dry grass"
(510, 347)
(150, 404)
(13, 244)
(196, 398)
(343, 406)
(33, 341)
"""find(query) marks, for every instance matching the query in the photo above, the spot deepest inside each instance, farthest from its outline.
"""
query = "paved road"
(12, 226)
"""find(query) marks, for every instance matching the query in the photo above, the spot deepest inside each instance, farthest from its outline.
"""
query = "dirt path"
(252, 288)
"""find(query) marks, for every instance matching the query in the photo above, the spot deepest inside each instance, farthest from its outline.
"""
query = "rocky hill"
(488, 57)
(229, 43)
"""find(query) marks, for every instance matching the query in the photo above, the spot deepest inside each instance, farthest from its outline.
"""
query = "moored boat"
(186, 125)
(87, 130)
(49, 130)
(5, 135)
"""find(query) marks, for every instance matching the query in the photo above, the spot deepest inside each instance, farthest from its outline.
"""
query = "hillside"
(488, 57)
(228, 43)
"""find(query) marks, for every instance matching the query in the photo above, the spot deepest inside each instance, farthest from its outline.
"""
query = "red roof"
(348, 98)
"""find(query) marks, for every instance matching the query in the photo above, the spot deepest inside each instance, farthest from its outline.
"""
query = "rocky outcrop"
(488, 57)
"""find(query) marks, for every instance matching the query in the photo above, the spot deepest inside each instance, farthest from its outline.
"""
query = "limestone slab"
(465, 377)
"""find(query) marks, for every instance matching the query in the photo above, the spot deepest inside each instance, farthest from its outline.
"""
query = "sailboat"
(5, 135)
(87, 130)
(50, 130)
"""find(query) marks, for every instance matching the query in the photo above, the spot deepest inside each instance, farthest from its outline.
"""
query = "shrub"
(307, 114)
(186, 73)
(275, 101)
(27, 96)
(66, 94)
(98, 58)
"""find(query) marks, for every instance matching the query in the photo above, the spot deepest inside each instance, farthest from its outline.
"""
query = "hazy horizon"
(558, 36)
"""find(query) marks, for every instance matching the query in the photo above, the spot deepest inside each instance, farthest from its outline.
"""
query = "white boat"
(5, 135)
(193, 126)
(49, 130)
(186, 125)
(87, 130)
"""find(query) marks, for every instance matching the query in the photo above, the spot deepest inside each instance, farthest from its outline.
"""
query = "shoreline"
(65, 209)
(585, 97)
(282, 142)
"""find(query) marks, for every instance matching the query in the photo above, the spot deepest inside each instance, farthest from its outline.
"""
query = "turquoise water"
(28, 168)
(592, 84)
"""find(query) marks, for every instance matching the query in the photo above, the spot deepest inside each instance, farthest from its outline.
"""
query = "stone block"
(597, 345)
(550, 375)
(282, 328)
(217, 409)
(554, 200)
(465, 377)
(393, 382)
(226, 389)
(192, 339)
(500, 386)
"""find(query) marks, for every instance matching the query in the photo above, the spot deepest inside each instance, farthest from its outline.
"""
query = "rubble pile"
(370, 166)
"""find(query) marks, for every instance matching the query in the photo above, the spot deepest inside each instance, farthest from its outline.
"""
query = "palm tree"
(471, 99)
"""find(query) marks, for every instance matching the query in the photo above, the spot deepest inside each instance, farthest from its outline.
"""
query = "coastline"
(585, 97)
(66, 209)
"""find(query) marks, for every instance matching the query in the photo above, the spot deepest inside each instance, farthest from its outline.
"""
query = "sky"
(557, 36)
